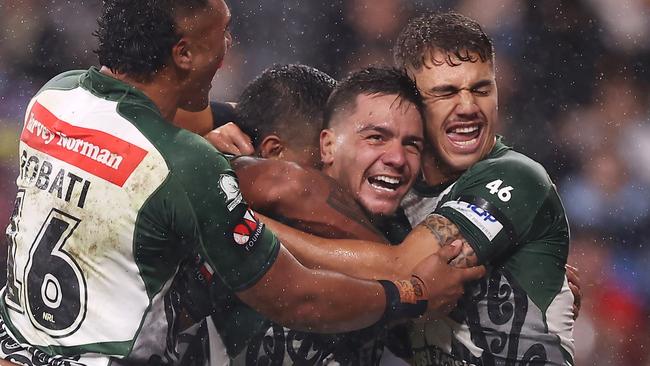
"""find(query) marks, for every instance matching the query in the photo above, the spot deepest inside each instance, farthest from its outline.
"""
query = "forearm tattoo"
(446, 232)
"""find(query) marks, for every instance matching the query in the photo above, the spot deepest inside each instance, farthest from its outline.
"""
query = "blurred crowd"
(574, 82)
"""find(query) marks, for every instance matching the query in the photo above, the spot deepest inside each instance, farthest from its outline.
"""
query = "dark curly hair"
(136, 36)
(286, 100)
(371, 80)
(460, 38)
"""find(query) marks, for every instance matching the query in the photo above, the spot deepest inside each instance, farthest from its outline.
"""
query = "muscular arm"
(303, 198)
(323, 303)
(364, 259)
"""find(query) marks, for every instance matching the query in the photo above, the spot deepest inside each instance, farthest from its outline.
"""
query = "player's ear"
(327, 147)
(182, 55)
(272, 147)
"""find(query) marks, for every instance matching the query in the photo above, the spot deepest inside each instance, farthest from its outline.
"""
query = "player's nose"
(466, 103)
(394, 155)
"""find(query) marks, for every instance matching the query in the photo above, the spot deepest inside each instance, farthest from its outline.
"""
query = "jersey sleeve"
(495, 202)
(235, 243)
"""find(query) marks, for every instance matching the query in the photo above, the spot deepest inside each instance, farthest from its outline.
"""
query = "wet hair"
(136, 37)
(371, 81)
(459, 38)
(286, 100)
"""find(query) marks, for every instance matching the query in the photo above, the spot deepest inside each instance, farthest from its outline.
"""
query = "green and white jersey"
(112, 198)
(509, 211)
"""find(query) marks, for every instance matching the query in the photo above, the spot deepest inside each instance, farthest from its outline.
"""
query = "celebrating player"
(113, 197)
(374, 138)
(500, 203)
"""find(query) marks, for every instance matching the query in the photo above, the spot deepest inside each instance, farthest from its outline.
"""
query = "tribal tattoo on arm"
(446, 232)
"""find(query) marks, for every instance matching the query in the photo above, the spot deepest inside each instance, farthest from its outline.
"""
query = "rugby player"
(499, 203)
(113, 197)
(374, 129)
(377, 111)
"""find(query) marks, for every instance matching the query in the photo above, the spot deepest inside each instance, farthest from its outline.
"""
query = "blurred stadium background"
(574, 80)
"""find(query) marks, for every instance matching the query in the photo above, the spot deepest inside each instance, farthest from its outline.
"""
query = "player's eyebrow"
(373, 127)
(482, 83)
(446, 88)
(449, 88)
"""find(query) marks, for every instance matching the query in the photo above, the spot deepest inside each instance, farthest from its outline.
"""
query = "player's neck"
(161, 90)
(434, 171)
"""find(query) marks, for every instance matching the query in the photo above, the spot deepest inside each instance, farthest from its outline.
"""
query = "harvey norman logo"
(96, 152)
(77, 145)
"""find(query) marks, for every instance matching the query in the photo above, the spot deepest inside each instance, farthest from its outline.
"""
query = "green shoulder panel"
(64, 81)
(496, 201)
(204, 206)
(509, 211)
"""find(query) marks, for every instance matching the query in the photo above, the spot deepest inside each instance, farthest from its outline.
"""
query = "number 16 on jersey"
(52, 288)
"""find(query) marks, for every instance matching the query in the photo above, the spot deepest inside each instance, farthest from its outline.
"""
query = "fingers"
(241, 141)
(573, 275)
(574, 285)
(449, 252)
(577, 298)
(231, 140)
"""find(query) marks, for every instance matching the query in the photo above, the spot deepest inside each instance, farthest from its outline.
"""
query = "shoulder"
(192, 157)
(513, 167)
(64, 81)
(278, 178)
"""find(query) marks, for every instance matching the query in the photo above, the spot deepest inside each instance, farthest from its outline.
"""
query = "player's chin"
(381, 207)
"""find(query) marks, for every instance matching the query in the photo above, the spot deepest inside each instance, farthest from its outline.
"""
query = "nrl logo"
(230, 188)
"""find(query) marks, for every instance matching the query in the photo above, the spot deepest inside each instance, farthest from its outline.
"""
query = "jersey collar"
(112, 89)
(425, 190)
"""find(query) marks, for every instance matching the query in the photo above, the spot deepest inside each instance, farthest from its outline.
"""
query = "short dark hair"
(451, 33)
(285, 100)
(136, 37)
(371, 80)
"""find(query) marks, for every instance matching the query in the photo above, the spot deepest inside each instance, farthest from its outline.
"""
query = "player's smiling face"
(374, 150)
(460, 109)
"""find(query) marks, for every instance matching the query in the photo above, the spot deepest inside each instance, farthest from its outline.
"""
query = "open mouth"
(465, 136)
(385, 183)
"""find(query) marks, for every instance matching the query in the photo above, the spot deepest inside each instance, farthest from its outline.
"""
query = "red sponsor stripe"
(96, 152)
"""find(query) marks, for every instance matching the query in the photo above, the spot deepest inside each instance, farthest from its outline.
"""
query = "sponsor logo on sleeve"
(230, 188)
(481, 218)
(248, 231)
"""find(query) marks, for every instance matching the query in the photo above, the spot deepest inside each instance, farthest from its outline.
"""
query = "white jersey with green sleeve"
(509, 211)
(111, 199)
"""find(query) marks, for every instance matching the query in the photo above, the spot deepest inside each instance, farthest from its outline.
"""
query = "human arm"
(250, 261)
(364, 259)
(323, 301)
(304, 198)
(357, 258)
